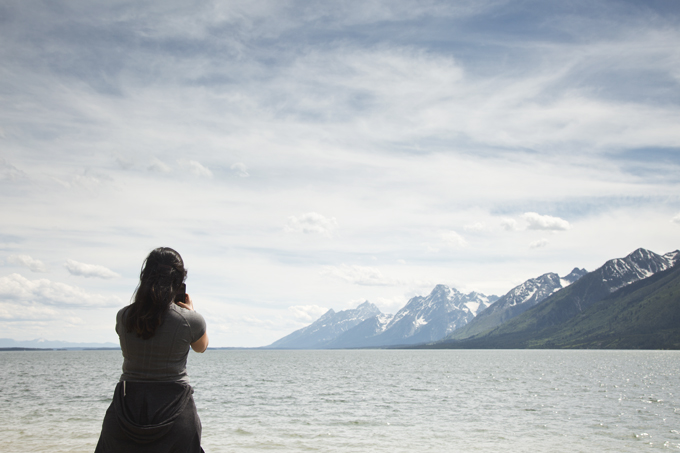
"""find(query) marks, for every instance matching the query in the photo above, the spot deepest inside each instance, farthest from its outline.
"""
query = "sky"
(303, 155)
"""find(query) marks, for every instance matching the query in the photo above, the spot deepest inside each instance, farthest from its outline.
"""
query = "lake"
(367, 400)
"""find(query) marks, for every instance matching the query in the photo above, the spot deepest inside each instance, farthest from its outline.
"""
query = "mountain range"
(423, 319)
(325, 329)
(518, 300)
(524, 317)
(631, 302)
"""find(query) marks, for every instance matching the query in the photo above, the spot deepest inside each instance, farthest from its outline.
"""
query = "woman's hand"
(188, 304)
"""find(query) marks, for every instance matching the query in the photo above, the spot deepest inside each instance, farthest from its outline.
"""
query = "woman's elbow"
(201, 344)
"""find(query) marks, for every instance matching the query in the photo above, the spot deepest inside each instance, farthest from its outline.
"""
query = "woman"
(153, 408)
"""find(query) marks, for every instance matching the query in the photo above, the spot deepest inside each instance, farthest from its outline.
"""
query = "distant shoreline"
(20, 348)
(57, 349)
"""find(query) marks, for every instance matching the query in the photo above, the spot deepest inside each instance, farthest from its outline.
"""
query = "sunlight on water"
(386, 401)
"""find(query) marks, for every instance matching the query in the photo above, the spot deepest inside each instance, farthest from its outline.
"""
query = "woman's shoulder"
(191, 319)
(121, 312)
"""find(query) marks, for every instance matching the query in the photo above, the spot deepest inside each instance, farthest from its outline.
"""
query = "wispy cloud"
(87, 180)
(159, 166)
(198, 169)
(25, 260)
(545, 222)
(89, 270)
(18, 288)
(676, 219)
(453, 239)
(540, 243)
(251, 320)
(475, 227)
(307, 313)
(311, 223)
(9, 171)
(240, 169)
(10, 310)
(124, 163)
(358, 275)
(509, 224)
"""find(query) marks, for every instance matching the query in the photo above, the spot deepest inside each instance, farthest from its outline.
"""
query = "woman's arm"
(201, 344)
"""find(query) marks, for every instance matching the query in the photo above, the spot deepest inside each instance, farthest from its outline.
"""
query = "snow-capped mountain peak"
(641, 263)
(531, 291)
(574, 275)
(427, 318)
(673, 257)
(329, 326)
(518, 300)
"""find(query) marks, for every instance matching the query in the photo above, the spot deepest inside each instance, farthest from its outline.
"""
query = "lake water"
(367, 400)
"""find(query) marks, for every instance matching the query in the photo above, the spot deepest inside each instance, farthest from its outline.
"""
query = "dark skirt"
(151, 417)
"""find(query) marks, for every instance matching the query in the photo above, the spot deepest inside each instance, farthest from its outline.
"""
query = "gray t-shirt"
(162, 357)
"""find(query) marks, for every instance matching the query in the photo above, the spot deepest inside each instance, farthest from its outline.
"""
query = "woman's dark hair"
(162, 274)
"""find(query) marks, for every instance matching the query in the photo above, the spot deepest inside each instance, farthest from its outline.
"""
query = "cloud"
(250, 320)
(241, 169)
(676, 219)
(18, 288)
(124, 163)
(159, 166)
(311, 223)
(478, 226)
(395, 135)
(544, 222)
(538, 244)
(358, 275)
(199, 170)
(9, 171)
(89, 270)
(453, 239)
(27, 311)
(509, 224)
(89, 180)
(307, 313)
(24, 260)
